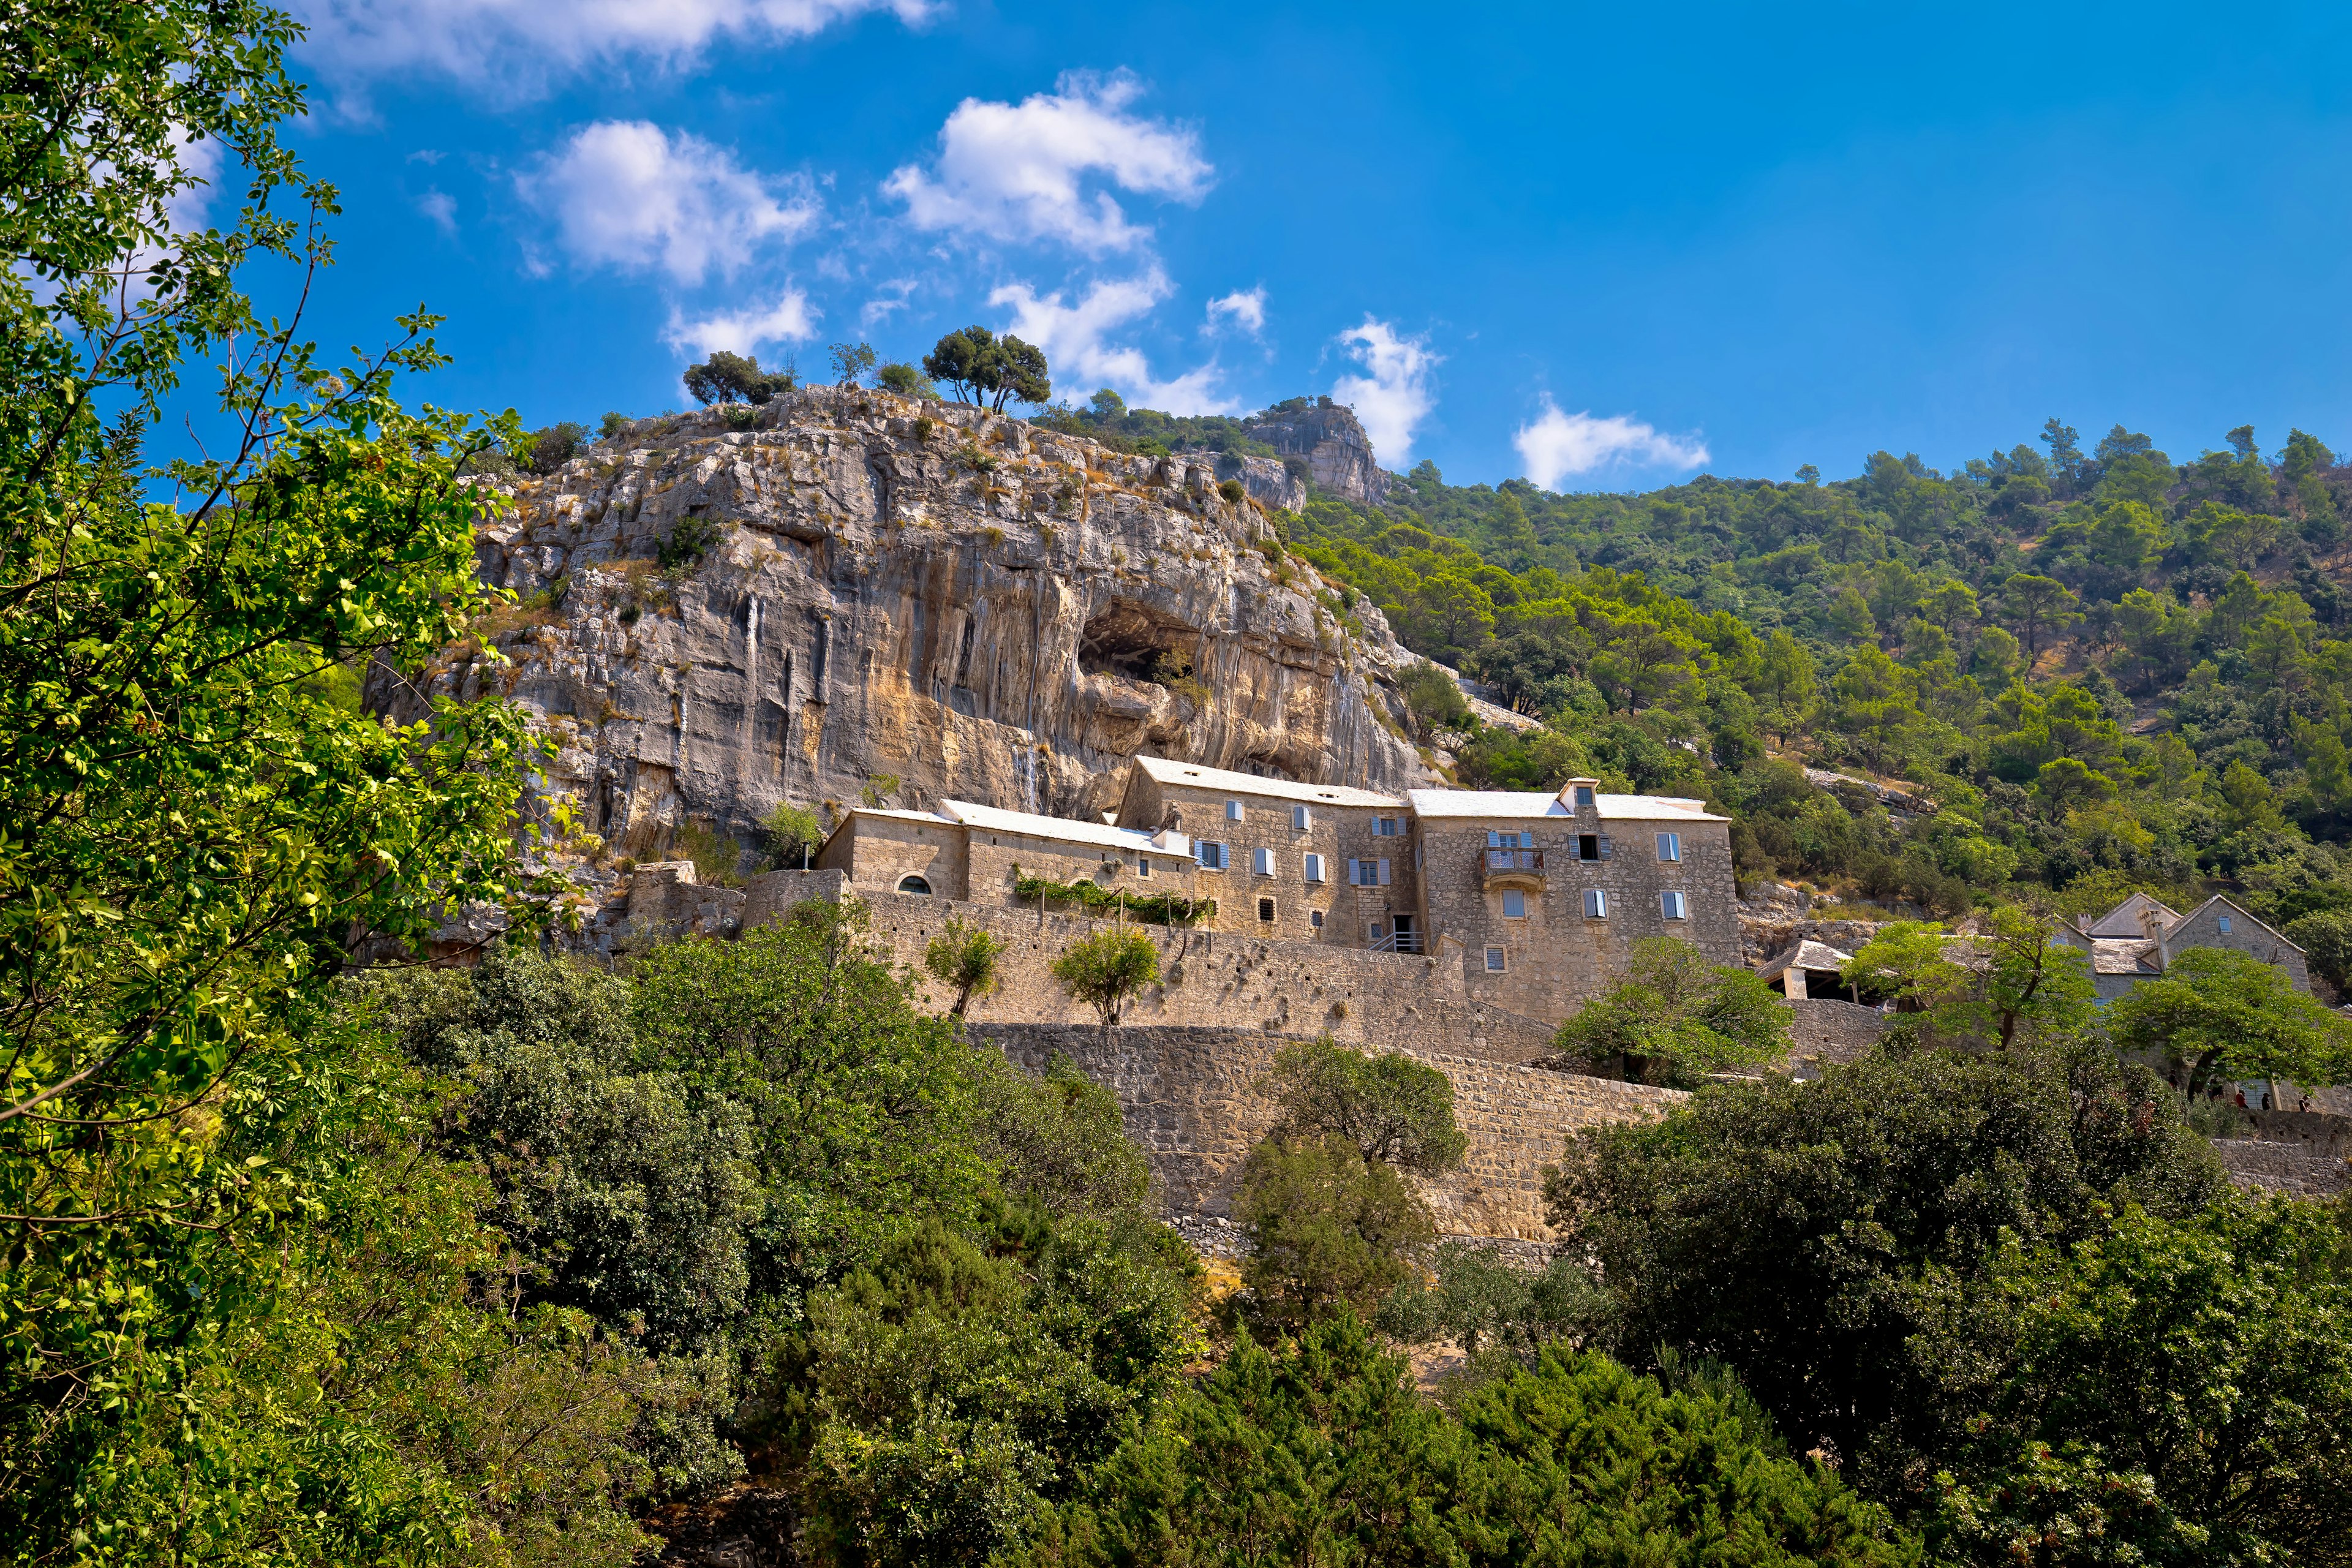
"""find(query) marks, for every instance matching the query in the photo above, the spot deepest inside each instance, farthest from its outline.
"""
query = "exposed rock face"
(980, 608)
(1268, 480)
(1326, 435)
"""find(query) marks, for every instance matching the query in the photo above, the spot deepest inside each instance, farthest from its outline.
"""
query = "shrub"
(1233, 491)
(1327, 1230)
(548, 449)
(690, 539)
(966, 960)
(1107, 971)
(1390, 1108)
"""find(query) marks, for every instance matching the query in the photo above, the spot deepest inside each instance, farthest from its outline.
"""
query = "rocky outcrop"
(1338, 454)
(875, 596)
(1267, 480)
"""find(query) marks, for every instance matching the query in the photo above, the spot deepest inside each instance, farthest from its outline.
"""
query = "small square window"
(1314, 868)
(1670, 847)
(1671, 904)
(2225, 925)
(1233, 811)
(1142, 866)
(1588, 847)
(1494, 961)
(1596, 904)
(1301, 818)
(1262, 862)
(1212, 856)
(1266, 910)
(1372, 932)
(1583, 797)
(1315, 919)
(1515, 904)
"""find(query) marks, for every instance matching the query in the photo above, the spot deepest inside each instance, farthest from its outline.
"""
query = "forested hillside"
(2108, 669)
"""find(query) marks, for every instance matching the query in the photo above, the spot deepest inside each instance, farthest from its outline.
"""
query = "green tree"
(967, 959)
(905, 380)
(1059, 1142)
(793, 833)
(727, 377)
(2038, 604)
(850, 362)
(988, 370)
(2173, 1392)
(2014, 985)
(194, 818)
(1677, 1018)
(1327, 1230)
(1786, 674)
(2225, 1014)
(1107, 971)
(1388, 1106)
(1788, 1228)
(860, 1107)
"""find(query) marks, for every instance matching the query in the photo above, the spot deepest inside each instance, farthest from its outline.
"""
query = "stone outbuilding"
(2138, 940)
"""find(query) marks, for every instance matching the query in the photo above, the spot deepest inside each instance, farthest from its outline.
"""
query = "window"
(1672, 905)
(1387, 827)
(1262, 862)
(1266, 910)
(1588, 847)
(2225, 925)
(1368, 873)
(1372, 933)
(1583, 797)
(1142, 866)
(1494, 961)
(1315, 919)
(1314, 868)
(1510, 840)
(1301, 818)
(1233, 811)
(1596, 904)
(1515, 904)
(1669, 845)
(915, 886)
(1212, 856)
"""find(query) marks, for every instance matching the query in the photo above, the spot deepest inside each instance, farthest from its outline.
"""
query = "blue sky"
(1602, 246)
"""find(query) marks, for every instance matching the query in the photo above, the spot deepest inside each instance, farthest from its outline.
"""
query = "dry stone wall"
(1191, 1098)
(1387, 999)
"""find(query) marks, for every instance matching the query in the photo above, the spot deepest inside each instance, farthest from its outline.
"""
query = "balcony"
(1512, 869)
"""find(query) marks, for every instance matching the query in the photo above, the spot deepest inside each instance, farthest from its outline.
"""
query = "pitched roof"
(2133, 918)
(988, 819)
(1196, 775)
(1522, 804)
(1807, 954)
(2234, 908)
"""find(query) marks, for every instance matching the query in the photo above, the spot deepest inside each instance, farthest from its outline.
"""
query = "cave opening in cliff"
(1135, 641)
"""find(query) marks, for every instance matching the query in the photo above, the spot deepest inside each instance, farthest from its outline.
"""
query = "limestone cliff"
(976, 607)
(1330, 441)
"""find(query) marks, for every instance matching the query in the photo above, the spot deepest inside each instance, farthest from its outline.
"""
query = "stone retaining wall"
(2299, 1170)
(1827, 1031)
(1192, 1100)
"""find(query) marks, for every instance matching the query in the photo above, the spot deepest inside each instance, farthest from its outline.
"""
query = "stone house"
(2139, 938)
(1534, 900)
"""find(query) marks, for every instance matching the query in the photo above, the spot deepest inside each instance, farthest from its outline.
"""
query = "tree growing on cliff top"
(1107, 971)
(989, 370)
(737, 378)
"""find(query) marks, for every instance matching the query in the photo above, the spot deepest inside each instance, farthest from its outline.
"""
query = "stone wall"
(1191, 1098)
(2299, 1170)
(2201, 927)
(1400, 1000)
(1828, 1031)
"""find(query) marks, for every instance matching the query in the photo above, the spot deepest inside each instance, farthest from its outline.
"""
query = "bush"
(793, 833)
(906, 380)
(1327, 1231)
(546, 450)
(1389, 1107)
(1233, 491)
(690, 539)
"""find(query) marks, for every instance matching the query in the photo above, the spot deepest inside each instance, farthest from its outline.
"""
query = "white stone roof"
(988, 819)
(1195, 775)
(1807, 954)
(930, 817)
(2125, 955)
(1523, 803)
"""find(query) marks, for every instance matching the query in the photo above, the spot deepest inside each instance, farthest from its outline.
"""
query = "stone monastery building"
(1539, 897)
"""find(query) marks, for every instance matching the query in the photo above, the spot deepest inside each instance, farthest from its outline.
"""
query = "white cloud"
(1557, 447)
(626, 193)
(787, 320)
(1244, 310)
(1012, 171)
(524, 46)
(439, 206)
(1395, 393)
(1074, 337)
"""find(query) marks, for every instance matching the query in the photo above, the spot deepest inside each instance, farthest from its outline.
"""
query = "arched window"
(915, 886)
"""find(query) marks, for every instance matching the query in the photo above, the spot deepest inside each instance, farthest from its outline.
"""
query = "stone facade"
(879, 850)
(2139, 938)
(1191, 1098)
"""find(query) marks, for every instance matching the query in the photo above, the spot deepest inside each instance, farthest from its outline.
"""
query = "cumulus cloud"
(526, 45)
(1244, 310)
(1075, 337)
(1556, 446)
(787, 320)
(626, 195)
(1394, 394)
(1026, 171)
